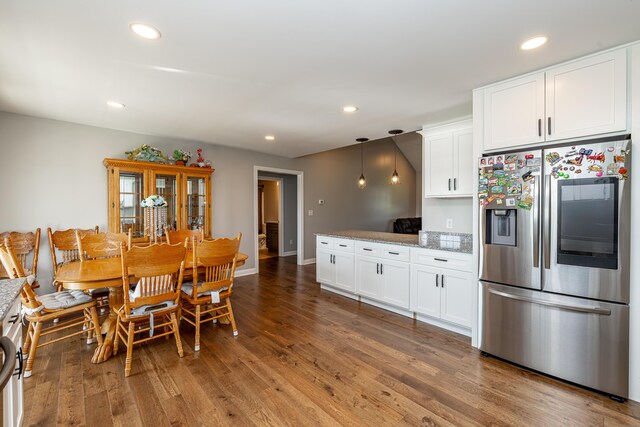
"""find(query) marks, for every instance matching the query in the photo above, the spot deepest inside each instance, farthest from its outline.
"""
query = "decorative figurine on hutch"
(147, 153)
(181, 157)
(155, 216)
(200, 161)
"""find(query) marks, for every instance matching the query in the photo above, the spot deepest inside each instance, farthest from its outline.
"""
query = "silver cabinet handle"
(377, 268)
(437, 280)
(367, 249)
(343, 246)
(394, 253)
(442, 281)
(381, 272)
(549, 125)
(578, 308)
(449, 184)
(454, 184)
(324, 243)
(536, 228)
(440, 259)
(546, 232)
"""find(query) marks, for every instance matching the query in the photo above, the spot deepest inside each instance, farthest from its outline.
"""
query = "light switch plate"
(310, 212)
(449, 223)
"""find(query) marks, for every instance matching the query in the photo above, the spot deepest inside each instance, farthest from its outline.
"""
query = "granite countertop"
(9, 291)
(451, 242)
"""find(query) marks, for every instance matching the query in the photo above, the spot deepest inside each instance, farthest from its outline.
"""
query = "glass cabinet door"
(131, 194)
(196, 202)
(166, 185)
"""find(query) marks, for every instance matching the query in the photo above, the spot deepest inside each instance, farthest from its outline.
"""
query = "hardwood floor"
(305, 357)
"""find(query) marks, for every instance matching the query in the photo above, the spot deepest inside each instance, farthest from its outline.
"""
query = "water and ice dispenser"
(501, 227)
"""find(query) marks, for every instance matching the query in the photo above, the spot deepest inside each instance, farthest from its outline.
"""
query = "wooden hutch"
(186, 189)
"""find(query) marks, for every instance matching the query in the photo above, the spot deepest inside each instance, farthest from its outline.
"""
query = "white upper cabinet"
(587, 97)
(448, 161)
(514, 112)
(578, 99)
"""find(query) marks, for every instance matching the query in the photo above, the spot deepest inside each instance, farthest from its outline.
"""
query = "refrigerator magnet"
(490, 161)
(553, 158)
(499, 202)
(496, 189)
(509, 166)
(510, 202)
(511, 158)
(533, 162)
(482, 162)
(612, 169)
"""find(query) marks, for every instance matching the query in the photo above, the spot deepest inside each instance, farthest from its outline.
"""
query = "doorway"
(278, 213)
(270, 224)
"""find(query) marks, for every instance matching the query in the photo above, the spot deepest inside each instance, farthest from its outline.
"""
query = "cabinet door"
(463, 166)
(167, 185)
(129, 192)
(456, 288)
(13, 393)
(438, 153)
(345, 269)
(368, 278)
(587, 97)
(395, 283)
(514, 112)
(325, 271)
(425, 290)
(195, 203)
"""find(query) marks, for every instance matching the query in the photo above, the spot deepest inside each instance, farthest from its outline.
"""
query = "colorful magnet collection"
(576, 161)
(508, 180)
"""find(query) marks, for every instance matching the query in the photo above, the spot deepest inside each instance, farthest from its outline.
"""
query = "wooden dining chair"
(179, 236)
(26, 247)
(101, 245)
(65, 243)
(210, 299)
(159, 270)
(72, 308)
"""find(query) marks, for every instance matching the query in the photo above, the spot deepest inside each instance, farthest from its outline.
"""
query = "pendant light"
(395, 178)
(362, 183)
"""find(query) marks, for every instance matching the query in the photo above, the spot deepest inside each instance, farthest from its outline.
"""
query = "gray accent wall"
(332, 176)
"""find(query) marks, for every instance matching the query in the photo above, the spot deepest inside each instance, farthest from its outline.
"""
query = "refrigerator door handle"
(578, 308)
(547, 222)
(536, 229)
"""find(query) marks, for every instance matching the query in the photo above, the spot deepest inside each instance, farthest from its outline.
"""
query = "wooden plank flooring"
(305, 357)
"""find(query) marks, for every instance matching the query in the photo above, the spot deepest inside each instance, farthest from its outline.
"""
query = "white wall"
(435, 213)
(53, 176)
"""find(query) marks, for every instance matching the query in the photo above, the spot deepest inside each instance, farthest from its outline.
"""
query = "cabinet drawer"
(368, 248)
(324, 242)
(398, 253)
(343, 245)
(12, 320)
(441, 259)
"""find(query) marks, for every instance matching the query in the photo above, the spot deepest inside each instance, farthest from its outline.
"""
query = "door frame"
(280, 183)
(300, 210)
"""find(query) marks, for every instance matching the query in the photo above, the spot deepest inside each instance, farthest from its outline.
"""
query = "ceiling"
(232, 71)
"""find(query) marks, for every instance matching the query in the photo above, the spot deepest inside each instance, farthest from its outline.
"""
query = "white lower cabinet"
(383, 280)
(442, 293)
(408, 280)
(335, 267)
(12, 395)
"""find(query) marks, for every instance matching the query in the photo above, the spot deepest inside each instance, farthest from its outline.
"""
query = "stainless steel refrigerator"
(554, 260)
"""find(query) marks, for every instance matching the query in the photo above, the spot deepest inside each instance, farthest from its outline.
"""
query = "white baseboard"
(339, 292)
(309, 261)
(246, 272)
(290, 253)
(387, 307)
(444, 325)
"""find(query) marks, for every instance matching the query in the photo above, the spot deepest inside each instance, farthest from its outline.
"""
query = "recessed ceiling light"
(350, 109)
(145, 31)
(115, 104)
(270, 137)
(533, 43)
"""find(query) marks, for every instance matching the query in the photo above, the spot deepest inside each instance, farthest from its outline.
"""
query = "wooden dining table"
(106, 273)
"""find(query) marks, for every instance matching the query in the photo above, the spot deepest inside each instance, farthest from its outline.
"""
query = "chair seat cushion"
(63, 299)
(187, 288)
(99, 292)
(149, 308)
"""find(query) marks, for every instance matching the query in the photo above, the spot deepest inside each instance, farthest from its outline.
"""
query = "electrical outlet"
(449, 223)
(291, 242)
(310, 212)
